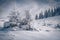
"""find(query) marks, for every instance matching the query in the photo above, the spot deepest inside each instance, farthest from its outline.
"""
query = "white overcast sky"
(34, 6)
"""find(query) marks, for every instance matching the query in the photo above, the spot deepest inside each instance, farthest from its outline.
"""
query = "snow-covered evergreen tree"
(28, 19)
(41, 15)
(46, 14)
(36, 17)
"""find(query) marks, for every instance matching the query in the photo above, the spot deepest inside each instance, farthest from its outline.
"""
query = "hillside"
(47, 23)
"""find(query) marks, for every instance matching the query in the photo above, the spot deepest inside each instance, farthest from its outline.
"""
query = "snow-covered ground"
(50, 23)
(29, 35)
(47, 32)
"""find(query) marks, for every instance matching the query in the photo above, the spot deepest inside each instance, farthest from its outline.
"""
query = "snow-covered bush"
(57, 26)
(6, 24)
(16, 22)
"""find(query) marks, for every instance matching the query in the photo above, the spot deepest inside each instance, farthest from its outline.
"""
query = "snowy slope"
(53, 20)
(46, 23)
(29, 35)
(46, 32)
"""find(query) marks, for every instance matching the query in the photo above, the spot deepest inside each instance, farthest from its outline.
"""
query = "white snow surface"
(50, 23)
(29, 35)
(46, 32)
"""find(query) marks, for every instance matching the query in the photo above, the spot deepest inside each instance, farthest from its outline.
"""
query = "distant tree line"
(48, 13)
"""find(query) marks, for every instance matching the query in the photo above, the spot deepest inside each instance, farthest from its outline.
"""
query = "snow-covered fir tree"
(15, 21)
(36, 17)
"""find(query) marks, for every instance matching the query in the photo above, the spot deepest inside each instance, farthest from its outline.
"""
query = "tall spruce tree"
(45, 14)
(41, 15)
(36, 17)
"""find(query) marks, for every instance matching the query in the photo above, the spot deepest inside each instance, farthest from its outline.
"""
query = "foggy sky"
(35, 6)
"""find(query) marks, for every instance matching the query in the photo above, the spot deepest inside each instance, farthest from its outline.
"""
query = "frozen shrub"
(57, 26)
